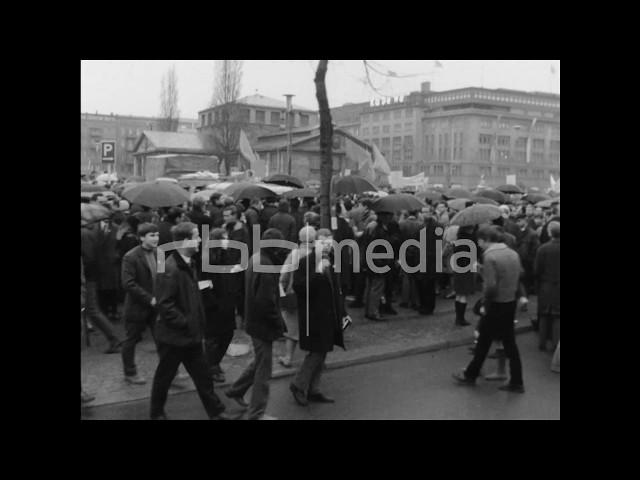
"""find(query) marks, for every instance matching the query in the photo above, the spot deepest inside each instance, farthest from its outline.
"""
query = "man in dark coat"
(164, 227)
(322, 329)
(547, 272)
(410, 230)
(198, 216)
(236, 231)
(263, 321)
(426, 281)
(90, 253)
(554, 217)
(376, 281)
(284, 222)
(296, 213)
(139, 267)
(180, 327)
(527, 245)
(252, 216)
(108, 269)
(215, 210)
(269, 210)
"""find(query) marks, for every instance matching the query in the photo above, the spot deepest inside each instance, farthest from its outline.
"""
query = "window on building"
(386, 129)
(456, 170)
(537, 157)
(376, 116)
(538, 144)
(386, 143)
(397, 114)
(540, 128)
(523, 172)
(438, 169)
(209, 119)
(386, 115)
(304, 120)
(397, 127)
(376, 130)
(260, 116)
(503, 171)
(521, 142)
(485, 154)
(376, 142)
(365, 131)
(408, 126)
(504, 141)
(486, 171)
(365, 118)
(408, 113)
(554, 157)
(520, 156)
(484, 139)
(243, 115)
(555, 145)
(275, 118)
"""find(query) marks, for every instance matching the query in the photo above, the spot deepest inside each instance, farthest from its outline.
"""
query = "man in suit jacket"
(547, 272)
(139, 267)
(179, 329)
(264, 322)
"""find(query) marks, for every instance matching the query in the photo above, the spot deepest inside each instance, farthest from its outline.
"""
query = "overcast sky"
(132, 87)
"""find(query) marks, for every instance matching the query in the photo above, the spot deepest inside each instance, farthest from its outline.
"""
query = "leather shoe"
(512, 388)
(463, 380)
(463, 323)
(86, 398)
(320, 398)
(239, 400)
(375, 318)
(298, 395)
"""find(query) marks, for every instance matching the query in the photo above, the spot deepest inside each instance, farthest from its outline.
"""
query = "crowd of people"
(192, 313)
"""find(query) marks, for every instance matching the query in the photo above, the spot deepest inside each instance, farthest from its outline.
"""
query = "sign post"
(108, 153)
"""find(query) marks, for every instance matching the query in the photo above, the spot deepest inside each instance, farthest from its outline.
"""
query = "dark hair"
(348, 205)
(498, 221)
(490, 233)
(145, 228)
(367, 203)
(217, 234)
(174, 213)
(338, 208)
(272, 234)
(295, 203)
(95, 196)
(133, 222)
(183, 231)
(214, 196)
(233, 209)
(283, 206)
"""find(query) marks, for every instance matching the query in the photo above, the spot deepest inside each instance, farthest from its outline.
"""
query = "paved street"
(414, 387)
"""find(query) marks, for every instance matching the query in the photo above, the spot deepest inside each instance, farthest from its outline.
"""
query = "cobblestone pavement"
(102, 374)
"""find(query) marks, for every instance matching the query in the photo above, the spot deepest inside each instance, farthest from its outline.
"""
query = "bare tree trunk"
(326, 143)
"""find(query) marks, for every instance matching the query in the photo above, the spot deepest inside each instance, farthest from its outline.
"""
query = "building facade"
(465, 135)
(122, 129)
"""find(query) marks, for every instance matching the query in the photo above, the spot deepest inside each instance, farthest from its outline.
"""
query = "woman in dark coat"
(219, 305)
(326, 311)
(463, 283)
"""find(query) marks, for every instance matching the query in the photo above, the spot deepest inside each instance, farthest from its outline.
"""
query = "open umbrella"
(535, 197)
(495, 195)
(157, 194)
(351, 184)
(484, 200)
(89, 187)
(457, 193)
(301, 193)
(548, 203)
(286, 180)
(458, 203)
(135, 180)
(396, 202)
(91, 212)
(241, 190)
(509, 189)
(431, 195)
(475, 215)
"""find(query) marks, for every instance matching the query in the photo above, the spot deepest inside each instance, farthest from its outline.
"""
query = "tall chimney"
(425, 87)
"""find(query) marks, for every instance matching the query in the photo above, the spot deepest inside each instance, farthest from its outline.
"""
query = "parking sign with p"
(108, 151)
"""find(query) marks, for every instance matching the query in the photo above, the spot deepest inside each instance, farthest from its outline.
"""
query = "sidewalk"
(366, 341)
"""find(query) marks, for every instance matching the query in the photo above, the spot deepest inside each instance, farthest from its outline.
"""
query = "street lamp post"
(289, 97)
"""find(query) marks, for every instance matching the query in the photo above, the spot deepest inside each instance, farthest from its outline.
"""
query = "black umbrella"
(484, 200)
(495, 195)
(285, 180)
(241, 190)
(351, 184)
(457, 193)
(475, 215)
(301, 193)
(432, 195)
(535, 197)
(90, 212)
(157, 194)
(89, 187)
(509, 189)
(396, 202)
